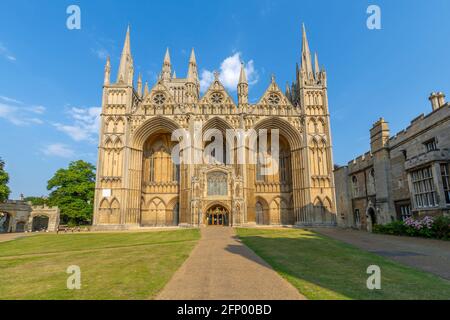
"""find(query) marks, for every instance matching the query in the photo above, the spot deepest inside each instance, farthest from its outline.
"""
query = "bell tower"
(312, 96)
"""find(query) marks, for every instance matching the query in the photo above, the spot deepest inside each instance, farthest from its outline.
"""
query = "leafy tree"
(72, 190)
(4, 179)
(36, 201)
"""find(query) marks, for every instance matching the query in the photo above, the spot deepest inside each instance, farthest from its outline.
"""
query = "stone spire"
(146, 91)
(192, 70)
(242, 87)
(316, 65)
(139, 86)
(192, 84)
(126, 70)
(167, 67)
(306, 66)
(107, 79)
(288, 91)
(242, 76)
(174, 75)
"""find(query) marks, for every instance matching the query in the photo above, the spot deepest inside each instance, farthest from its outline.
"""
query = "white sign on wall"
(106, 193)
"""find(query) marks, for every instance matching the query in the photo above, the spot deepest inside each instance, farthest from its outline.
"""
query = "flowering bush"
(427, 227)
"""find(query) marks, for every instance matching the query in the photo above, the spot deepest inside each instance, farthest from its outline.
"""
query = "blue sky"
(51, 77)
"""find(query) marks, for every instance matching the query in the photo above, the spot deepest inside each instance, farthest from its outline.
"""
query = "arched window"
(176, 214)
(259, 213)
(371, 183)
(355, 186)
(217, 184)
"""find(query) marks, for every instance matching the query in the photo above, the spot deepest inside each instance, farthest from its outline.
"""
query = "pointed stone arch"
(104, 211)
(286, 129)
(151, 126)
(115, 211)
(262, 211)
(109, 125)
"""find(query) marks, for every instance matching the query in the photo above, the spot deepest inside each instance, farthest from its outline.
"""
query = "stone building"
(20, 216)
(401, 176)
(140, 185)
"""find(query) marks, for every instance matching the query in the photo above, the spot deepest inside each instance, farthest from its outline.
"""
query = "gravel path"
(425, 254)
(10, 236)
(222, 268)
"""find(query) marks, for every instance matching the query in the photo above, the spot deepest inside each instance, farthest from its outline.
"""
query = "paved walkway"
(221, 268)
(425, 254)
(10, 236)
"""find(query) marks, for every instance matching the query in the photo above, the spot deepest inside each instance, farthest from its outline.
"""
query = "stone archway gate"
(22, 212)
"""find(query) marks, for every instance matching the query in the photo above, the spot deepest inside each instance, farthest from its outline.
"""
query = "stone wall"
(391, 162)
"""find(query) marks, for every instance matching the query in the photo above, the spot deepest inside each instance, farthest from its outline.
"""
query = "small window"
(357, 217)
(355, 186)
(405, 211)
(431, 145)
(445, 172)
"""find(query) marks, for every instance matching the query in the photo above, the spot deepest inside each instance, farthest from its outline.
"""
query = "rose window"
(273, 99)
(216, 97)
(159, 99)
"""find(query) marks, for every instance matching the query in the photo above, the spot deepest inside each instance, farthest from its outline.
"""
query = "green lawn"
(323, 268)
(113, 265)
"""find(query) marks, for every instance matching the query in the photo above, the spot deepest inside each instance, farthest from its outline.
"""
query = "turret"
(193, 83)
(192, 69)
(146, 91)
(167, 67)
(379, 136)
(139, 86)
(242, 87)
(107, 79)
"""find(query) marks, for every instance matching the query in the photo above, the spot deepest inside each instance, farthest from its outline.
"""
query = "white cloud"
(4, 52)
(101, 53)
(10, 100)
(58, 150)
(37, 109)
(19, 115)
(84, 126)
(230, 69)
(206, 78)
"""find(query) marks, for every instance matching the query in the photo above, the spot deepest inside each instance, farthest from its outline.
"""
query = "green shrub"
(394, 228)
(428, 227)
(441, 228)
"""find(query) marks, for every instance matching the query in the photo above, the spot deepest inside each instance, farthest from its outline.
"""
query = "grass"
(323, 268)
(113, 265)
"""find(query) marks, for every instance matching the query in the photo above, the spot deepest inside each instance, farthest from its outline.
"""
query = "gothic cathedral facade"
(140, 185)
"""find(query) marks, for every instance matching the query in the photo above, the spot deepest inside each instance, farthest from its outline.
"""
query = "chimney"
(441, 99)
(434, 101)
(437, 100)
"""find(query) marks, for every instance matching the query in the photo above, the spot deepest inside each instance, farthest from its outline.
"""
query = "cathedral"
(140, 184)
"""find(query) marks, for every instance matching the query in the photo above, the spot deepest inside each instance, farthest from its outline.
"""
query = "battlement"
(419, 124)
(43, 207)
(362, 161)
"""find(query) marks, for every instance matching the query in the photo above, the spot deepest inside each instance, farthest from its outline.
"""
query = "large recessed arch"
(286, 130)
(152, 126)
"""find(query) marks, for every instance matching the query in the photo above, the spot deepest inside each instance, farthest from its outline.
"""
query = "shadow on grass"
(323, 268)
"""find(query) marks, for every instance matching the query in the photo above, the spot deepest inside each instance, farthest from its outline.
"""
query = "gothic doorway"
(40, 223)
(4, 222)
(373, 216)
(217, 216)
